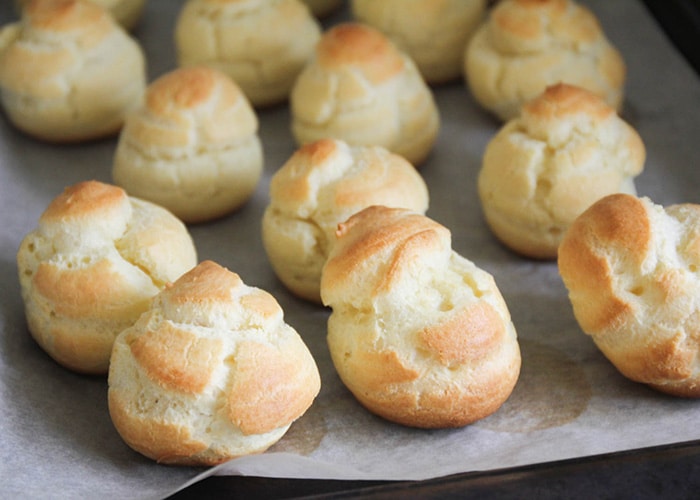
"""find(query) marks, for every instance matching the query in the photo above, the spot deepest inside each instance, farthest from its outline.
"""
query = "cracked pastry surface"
(433, 33)
(527, 45)
(210, 372)
(420, 335)
(323, 183)
(632, 270)
(91, 266)
(227, 35)
(359, 88)
(69, 72)
(193, 147)
(567, 149)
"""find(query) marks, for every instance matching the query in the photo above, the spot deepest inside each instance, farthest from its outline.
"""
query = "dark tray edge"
(671, 470)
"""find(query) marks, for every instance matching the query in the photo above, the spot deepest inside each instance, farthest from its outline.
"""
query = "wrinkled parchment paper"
(56, 435)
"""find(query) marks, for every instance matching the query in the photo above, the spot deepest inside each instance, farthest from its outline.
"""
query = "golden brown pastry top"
(210, 372)
(190, 107)
(92, 216)
(630, 267)
(362, 47)
(374, 248)
(86, 24)
(522, 26)
(566, 149)
(526, 45)
(617, 226)
(328, 178)
(434, 33)
(420, 335)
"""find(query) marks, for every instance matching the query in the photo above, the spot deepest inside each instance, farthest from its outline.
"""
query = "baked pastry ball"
(125, 12)
(322, 184)
(323, 8)
(90, 268)
(433, 33)
(631, 270)
(210, 372)
(361, 89)
(419, 334)
(261, 44)
(527, 45)
(567, 149)
(193, 147)
(69, 72)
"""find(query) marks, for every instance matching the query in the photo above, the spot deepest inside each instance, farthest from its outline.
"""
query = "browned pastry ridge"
(261, 45)
(567, 149)
(433, 33)
(193, 147)
(360, 88)
(631, 268)
(210, 372)
(323, 183)
(91, 267)
(420, 335)
(526, 45)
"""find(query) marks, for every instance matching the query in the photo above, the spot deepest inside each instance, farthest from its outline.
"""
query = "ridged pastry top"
(84, 20)
(323, 183)
(24, 66)
(210, 372)
(433, 33)
(91, 267)
(420, 335)
(211, 296)
(92, 216)
(360, 88)
(261, 44)
(621, 243)
(566, 149)
(526, 45)
(190, 107)
(525, 26)
(328, 179)
(631, 269)
(372, 252)
(563, 101)
(361, 47)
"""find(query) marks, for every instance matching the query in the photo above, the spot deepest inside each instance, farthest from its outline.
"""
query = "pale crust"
(193, 147)
(567, 149)
(210, 372)
(418, 334)
(631, 269)
(361, 89)
(227, 35)
(323, 183)
(90, 268)
(432, 32)
(526, 45)
(68, 72)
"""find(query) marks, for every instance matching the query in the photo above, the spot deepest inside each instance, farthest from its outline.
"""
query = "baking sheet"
(57, 438)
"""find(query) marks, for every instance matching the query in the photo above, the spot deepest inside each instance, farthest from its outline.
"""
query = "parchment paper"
(57, 440)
